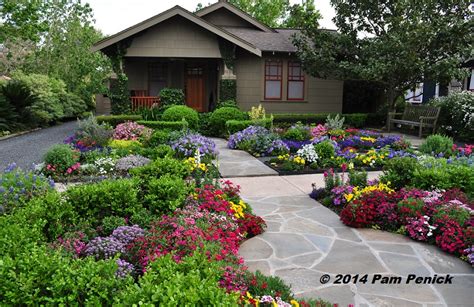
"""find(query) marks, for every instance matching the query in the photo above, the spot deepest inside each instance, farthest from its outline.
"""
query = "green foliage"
(233, 126)
(204, 126)
(178, 125)
(165, 194)
(8, 116)
(150, 114)
(325, 150)
(460, 215)
(275, 286)
(114, 120)
(445, 177)
(456, 116)
(119, 95)
(302, 14)
(158, 137)
(171, 96)
(399, 172)
(109, 223)
(437, 144)
(358, 178)
(228, 90)
(356, 120)
(335, 123)
(192, 281)
(297, 132)
(61, 156)
(107, 198)
(219, 117)
(161, 167)
(227, 103)
(47, 277)
(410, 207)
(392, 51)
(20, 98)
(178, 113)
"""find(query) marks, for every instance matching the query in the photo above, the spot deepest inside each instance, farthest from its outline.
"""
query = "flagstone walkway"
(305, 240)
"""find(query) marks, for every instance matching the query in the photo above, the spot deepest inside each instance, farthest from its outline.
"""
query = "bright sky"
(113, 16)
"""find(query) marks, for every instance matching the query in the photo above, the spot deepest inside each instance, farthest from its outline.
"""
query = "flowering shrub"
(104, 248)
(318, 131)
(450, 237)
(258, 141)
(187, 146)
(131, 131)
(124, 268)
(18, 186)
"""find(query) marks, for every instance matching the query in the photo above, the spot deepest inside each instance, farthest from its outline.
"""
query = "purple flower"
(187, 145)
(104, 248)
(124, 268)
(127, 234)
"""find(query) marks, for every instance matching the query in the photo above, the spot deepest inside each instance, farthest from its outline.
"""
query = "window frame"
(290, 78)
(278, 77)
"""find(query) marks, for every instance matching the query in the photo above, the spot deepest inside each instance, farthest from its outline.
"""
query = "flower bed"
(435, 216)
(159, 227)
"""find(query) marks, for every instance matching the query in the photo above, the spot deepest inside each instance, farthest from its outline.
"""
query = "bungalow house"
(216, 53)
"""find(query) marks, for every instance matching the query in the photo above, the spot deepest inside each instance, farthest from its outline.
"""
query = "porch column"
(228, 84)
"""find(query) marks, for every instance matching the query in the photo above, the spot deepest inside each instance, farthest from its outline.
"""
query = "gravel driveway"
(30, 148)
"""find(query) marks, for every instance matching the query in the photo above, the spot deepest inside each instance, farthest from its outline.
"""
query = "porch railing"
(139, 102)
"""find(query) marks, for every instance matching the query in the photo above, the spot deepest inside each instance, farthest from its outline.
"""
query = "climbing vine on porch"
(119, 94)
(227, 50)
(228, 89)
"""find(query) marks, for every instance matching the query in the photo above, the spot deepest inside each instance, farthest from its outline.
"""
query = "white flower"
(308, 153)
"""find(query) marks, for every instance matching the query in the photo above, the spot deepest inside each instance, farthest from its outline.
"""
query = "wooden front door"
(195, 88)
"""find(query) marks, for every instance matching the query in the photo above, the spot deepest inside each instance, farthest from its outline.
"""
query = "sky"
(113, 16)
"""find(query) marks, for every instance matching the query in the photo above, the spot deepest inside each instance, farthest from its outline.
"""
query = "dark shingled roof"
(279, 41)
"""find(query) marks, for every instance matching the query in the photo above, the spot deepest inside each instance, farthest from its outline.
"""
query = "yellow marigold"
(294, 303)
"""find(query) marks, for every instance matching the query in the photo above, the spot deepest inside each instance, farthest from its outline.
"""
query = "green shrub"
(399, 172)
(114, 120)
(119, 95)
(73, 105)
(61, 156)
(171, 96)
(460, 215)
(106, 198)
(325, 150)
(219, 117)
(437, 144)
(456, 115)
(150, 114)
(193, 281)
(231, 103)
(9, 117)
(158, 137)
(177, 113)
(297, 132)
(161, 167)
(233, 126)
(109, 223)
(356, 120)
(228, 89)
(165, 194)
(445, 177)
(41, 276)
(160, 125)
(358, 178)
(204, 125)
(19, 97)
(157, 152)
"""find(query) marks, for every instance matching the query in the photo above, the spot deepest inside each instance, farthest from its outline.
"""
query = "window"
(273, 79)
(295, 81)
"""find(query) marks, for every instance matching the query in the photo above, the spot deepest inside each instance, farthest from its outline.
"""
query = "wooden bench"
(418, 116)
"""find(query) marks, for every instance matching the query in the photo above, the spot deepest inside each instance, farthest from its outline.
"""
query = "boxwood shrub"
(356, 120)
(177, 113)
(219, 117)
(114, 120)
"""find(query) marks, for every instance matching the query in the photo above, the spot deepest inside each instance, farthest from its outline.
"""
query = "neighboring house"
(180, 49)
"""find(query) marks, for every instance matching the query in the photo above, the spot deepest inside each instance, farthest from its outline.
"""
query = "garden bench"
(418, 116)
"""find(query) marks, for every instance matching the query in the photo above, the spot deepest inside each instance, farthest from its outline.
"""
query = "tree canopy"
(397, 43)
(53, 37)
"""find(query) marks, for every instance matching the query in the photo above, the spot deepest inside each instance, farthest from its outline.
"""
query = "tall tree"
(270, 12)
(398, 43)
(302, 15)
(61, 44)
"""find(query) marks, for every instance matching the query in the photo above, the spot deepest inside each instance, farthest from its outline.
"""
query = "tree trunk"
(391, 96)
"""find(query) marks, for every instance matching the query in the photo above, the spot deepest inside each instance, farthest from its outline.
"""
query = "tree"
(270, 12)
(397, 43)
(299, 15)
(61, 45)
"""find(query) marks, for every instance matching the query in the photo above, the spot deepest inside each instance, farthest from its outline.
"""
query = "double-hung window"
(295, 81)
(273, 79)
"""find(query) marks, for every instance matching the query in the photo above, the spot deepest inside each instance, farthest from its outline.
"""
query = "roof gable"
(224, 5)
(175, 11)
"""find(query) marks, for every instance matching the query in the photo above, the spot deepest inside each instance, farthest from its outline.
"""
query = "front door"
(195, 88)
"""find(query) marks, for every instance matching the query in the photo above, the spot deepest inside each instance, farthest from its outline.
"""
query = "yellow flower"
(349, 197)
(294, 303)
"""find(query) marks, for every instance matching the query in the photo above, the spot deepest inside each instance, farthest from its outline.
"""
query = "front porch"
(198, 78)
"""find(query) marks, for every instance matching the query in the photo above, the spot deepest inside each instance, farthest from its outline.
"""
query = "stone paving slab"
(305, 240)
(238, 163)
